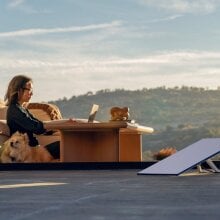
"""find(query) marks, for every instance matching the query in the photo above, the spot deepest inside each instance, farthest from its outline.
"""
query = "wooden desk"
(97, 142)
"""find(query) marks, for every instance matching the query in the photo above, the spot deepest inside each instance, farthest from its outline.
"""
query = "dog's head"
(17, 140)
(16, 146)
(119, 114)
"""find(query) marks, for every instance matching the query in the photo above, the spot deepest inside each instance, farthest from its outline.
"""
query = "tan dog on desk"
(119, 114)
(17, 150)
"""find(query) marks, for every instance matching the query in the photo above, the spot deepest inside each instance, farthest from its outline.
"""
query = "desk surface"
(80, 125)
(67, 124)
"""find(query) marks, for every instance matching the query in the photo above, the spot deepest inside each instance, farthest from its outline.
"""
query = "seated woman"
(19, 92)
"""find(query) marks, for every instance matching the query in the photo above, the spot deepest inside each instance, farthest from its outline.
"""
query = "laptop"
(93, 112)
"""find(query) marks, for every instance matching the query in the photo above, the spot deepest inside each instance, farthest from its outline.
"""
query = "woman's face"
(26, 93)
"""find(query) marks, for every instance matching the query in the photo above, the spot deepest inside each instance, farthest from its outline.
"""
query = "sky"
(71, 47)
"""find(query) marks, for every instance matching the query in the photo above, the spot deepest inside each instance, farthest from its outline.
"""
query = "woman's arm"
(22, 118)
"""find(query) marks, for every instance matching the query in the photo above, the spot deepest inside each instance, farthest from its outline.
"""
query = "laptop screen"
(93, 112)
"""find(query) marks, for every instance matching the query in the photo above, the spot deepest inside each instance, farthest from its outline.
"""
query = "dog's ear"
(17, 133)
(6, 142)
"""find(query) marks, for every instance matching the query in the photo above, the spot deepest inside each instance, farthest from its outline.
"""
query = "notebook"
(93, 112)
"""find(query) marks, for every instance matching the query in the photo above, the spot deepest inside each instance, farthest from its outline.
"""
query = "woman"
(19, 92)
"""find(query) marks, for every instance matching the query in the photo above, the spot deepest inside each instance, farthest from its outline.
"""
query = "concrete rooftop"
(107, 194)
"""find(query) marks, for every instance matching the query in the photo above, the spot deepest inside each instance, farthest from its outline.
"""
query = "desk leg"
(130, 143)
(90, 146)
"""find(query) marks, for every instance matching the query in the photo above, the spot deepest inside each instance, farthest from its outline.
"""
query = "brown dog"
(16, 149)
(119, 114)
(164, 152)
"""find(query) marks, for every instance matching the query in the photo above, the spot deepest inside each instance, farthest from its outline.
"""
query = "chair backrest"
(44, 111)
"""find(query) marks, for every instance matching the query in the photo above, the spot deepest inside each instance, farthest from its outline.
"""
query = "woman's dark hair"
(14, 87)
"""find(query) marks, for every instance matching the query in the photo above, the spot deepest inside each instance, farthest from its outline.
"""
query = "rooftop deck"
(107, 194)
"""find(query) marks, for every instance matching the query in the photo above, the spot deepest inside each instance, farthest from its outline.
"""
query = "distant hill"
(179, 115)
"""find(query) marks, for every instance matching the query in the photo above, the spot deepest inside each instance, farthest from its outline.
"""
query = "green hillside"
(180, 116)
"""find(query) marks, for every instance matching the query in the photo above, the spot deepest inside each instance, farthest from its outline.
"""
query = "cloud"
(169, 18)
(15, 3)
(56, 77)
(28, 32)
(171, 58)
(166, 59)
(25, 7)
(184, 6)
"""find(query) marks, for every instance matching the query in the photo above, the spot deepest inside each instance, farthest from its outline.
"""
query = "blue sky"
(70, 47)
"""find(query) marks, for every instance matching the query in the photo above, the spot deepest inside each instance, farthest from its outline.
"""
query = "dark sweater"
(20, 119)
